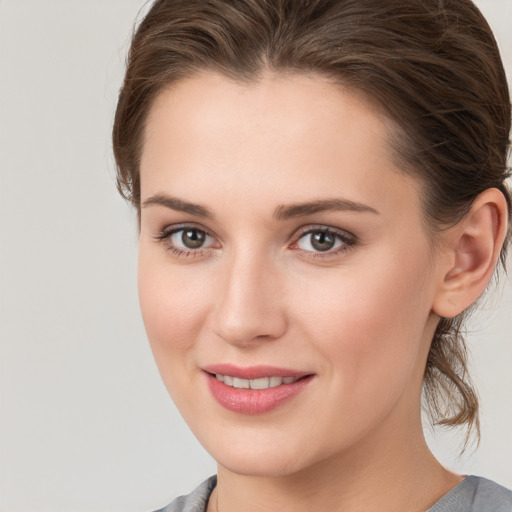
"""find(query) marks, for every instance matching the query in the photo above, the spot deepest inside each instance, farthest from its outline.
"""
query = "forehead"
(288, 137)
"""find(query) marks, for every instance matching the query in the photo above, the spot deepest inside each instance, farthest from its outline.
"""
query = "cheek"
(173, 305)
(369, 321)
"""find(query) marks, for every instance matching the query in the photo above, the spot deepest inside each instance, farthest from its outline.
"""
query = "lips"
(254, 390)
(261, 383)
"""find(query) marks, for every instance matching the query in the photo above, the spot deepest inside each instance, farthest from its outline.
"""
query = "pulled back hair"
(431, 66)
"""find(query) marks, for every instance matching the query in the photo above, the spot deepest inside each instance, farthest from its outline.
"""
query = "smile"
(254, 390)
(261, 383)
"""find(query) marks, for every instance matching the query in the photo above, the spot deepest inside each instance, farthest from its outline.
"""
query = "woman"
(321, 195)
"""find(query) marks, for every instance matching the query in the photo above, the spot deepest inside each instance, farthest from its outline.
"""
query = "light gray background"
(86, 424)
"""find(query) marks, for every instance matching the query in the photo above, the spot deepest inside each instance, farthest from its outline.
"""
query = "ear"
(470, 252)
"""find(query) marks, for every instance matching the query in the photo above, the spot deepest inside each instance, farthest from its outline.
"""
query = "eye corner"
(330, 241)
(199, 245)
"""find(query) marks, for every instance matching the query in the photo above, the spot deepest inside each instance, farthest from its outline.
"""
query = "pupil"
(322, 241)
(193, 238)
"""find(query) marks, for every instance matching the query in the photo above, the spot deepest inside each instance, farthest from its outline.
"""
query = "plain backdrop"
(86, 424)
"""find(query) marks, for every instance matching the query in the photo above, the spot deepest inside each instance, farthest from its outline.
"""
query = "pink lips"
(254, 401)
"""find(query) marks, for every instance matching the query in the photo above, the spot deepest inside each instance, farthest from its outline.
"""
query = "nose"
(249, 305)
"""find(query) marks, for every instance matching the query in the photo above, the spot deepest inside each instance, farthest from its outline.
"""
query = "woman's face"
(282, 250)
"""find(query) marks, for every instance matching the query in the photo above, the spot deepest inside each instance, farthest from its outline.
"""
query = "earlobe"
(472, 251)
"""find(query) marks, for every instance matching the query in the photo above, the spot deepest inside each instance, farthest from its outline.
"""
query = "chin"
(260, 466)
(269, 458)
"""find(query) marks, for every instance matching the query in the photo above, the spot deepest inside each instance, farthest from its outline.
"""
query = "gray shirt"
(473, 494)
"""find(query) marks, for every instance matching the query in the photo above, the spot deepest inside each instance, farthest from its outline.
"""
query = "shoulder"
(475, 494)
(489, 493)
(196, 501)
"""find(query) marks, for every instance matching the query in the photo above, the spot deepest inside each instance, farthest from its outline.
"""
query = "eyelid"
(312, 228)
(348, 239)
(174, 228)
(165, 234)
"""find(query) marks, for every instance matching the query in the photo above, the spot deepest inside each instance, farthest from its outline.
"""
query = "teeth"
(240, 383)
(259, 383)
(262, 383)
(275, 381)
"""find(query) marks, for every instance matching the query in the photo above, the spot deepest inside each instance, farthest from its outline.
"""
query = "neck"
(388, 471)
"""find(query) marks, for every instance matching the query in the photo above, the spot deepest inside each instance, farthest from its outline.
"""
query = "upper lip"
(253, 372)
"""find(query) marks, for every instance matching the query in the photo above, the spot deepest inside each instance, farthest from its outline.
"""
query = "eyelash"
(165, 235)
(347, 241)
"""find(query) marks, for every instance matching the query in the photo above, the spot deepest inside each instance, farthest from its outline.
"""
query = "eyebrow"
(179, 205)
(282, 212)
(285, 212)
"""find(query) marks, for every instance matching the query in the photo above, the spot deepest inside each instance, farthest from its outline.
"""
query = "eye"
(189, 238)
(186, 240)
(324, 240)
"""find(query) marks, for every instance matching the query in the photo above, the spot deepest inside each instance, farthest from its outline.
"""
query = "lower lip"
(254, 401)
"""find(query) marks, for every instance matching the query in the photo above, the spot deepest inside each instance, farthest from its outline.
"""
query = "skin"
(359, 317)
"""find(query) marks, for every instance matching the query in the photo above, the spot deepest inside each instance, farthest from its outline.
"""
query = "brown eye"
(188, 239)
(193, 238)
(322, 241)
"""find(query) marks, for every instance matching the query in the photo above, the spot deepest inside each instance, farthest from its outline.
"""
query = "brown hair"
(432, 66)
